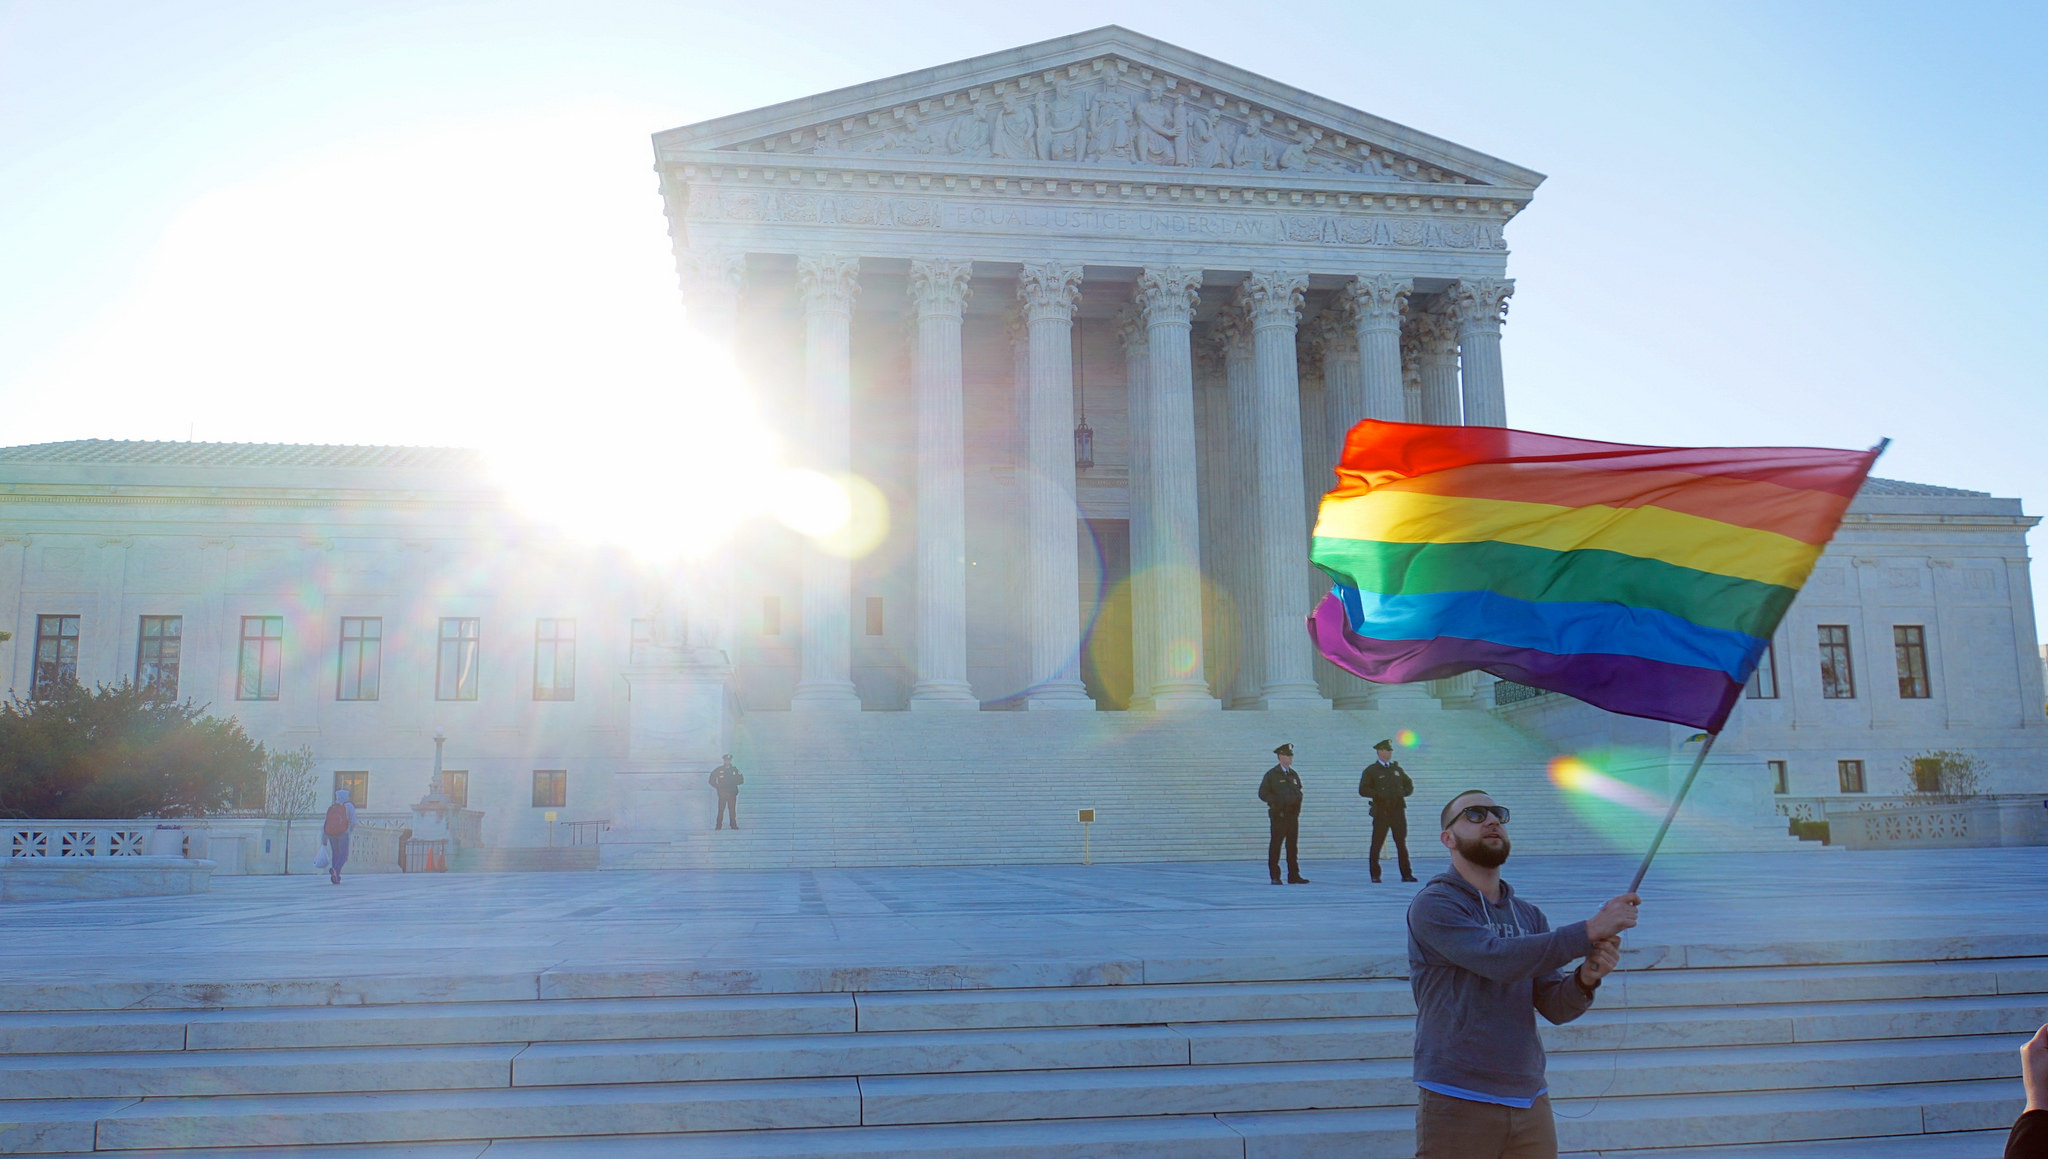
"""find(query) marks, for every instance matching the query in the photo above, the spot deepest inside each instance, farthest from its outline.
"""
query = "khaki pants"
(1452, 1128)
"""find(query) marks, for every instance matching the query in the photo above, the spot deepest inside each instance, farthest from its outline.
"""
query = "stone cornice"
(1130, 56)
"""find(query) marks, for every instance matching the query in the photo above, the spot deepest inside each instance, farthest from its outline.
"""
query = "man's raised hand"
(1606, 955)
(1618, 914)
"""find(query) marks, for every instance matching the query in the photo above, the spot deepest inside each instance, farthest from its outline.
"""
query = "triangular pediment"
(1109, 99)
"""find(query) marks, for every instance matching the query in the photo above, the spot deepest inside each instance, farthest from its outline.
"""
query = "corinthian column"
(1272, 301)
(1435, 346)
(1241, 508)
(938, 290)
(1168, 295)
(1478, 306)
(1343, 405)
(711, 281)
(826, 285)
(1053, 579)
(1137, 390)
(1376, 306)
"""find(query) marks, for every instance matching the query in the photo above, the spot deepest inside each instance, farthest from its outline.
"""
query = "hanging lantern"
(1084, 437)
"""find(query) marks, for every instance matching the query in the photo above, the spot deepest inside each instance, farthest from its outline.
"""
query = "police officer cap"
(1286, 750)
(1385, 744)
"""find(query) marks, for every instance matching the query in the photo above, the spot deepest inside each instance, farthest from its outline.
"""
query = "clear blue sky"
(406, 221)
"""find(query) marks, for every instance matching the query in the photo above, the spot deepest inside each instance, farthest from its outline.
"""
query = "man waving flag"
(1644, 580)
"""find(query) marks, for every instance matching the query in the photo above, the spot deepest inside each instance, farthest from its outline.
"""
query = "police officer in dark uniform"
(1281, 791)
(727, 780)
(1386, 784)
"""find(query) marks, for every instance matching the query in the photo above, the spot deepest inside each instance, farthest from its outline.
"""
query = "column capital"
(1326, 334)
(1131, 332)
(1272, 297)
(1169, 294)
(1016, 330)
(1377, 301)
(827, 281)
(1478, 303)
(939, 285)
(704, 270)
(1049, 290)
(1426, 332)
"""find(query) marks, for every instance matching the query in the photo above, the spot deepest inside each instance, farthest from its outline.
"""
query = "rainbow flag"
(1645, 580)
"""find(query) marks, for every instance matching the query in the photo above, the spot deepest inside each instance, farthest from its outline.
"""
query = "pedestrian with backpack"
(334, 831)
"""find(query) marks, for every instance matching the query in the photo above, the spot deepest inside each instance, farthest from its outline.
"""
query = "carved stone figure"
(908, 137)
(1161, 128)
(1015, 135)
(1063, 126)
(1254, 150)
(1109, 128)
(970, 134)
(1206, 146)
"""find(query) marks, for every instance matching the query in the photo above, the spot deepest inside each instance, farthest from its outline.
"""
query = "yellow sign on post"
(1087, 818)
(550, 817)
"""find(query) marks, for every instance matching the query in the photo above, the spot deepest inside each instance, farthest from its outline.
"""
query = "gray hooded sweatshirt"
(1480, 973)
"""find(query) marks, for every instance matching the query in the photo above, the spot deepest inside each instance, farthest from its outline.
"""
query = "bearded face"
(1486, 850)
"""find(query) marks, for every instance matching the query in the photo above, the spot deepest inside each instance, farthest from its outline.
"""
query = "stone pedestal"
(679, 725)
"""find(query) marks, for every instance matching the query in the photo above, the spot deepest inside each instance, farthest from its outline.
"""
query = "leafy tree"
(1943, 776)
(290, 790)
(116, 750)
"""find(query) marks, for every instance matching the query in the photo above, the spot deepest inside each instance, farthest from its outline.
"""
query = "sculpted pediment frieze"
(1103, 103)
(1106, 113)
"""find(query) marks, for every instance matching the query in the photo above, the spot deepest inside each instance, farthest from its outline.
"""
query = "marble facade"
(1260, 257)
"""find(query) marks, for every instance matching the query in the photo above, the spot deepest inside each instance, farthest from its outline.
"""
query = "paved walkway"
(261, 940)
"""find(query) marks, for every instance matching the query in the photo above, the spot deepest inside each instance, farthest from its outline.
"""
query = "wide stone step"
(1702, 986)
(1124, 1005)
(238, 1072)
(1946, 1145)
(428, 1023)
(647, 1108)
(1199, 1089)
(1615, 1125)
(868, 1053)
(1607, 1028)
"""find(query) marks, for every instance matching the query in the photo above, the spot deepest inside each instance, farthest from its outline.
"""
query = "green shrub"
(117, 751)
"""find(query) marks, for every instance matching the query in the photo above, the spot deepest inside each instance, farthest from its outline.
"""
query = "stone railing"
(1863, 822)
(81, 839)
(1508, 692)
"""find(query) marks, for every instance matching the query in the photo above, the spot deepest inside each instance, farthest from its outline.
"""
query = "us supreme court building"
(1086, 322)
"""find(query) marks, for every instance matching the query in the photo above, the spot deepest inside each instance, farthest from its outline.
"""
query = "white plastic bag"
(322, 859)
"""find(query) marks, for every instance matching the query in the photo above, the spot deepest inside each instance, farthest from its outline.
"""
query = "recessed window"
(56, 655)
(157, 646)
(455, 673)
(1763, 683)
(358, 786)
(261, 670)
(554, 660)
(771, 615)
(550, 788)
(1780, 782)
(1850, 773)
(1926, 774)
(874, 615)
(1837, 673)
(1909, 644)
(455, 783)
(362, 656)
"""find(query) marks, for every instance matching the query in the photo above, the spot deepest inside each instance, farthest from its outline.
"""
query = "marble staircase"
(937, 788)
(1905, 1059)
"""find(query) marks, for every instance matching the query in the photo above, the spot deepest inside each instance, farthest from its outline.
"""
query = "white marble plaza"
(1138, 1010)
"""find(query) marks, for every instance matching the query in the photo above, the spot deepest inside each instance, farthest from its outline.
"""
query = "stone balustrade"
(1900, 822)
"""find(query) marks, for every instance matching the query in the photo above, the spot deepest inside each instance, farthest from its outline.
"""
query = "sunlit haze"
(437, 223)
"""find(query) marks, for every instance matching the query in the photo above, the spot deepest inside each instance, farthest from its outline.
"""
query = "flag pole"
(1672, 812)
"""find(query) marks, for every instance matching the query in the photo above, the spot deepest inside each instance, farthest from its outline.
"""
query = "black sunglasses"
(1477, 814)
